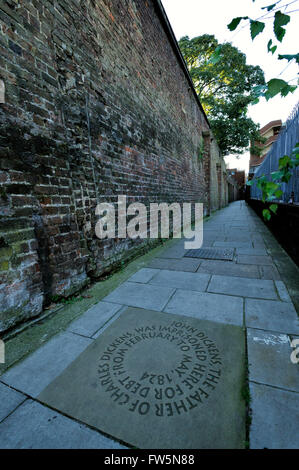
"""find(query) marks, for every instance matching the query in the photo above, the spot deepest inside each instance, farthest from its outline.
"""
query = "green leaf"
(288, 89)
(216, 56)
(256, 27)
(266, 214)
(273, 208)
(260, 183)
(284, 162)
(277, 175)
(278, 193)
(262, 178)
(275, 86)
(235, 22)
(280, 20)
(269, 7)
(289, 57)
(250, 183)
(271, 187)
(286, 178)
(259, 90)
(271, 49)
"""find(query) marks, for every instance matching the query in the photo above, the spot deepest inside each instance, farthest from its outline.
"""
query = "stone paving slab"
(182, 280)
(214, 307)
(257, 237)
(208, 243)
(228, 269)
(259, 245)
(9, 400)
(244, 287)
(269, 360)
(251, 251)
(34, 426)
(159, 382)
(243, 229)
(221, 237)
(176, 251)
(109, 322)
(143, 275)
(184, 264)
(269, 272)
(209, 232)
(275, 418)
(140, 295)
(215, 227)
(254, 259)
(236, 236)
(261, 228)
(271, 315)
(33, 374)
(92, 320)
(282, 291)
(231, 244)
(209, 238)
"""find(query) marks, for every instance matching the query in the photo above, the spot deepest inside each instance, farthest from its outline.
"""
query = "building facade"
(270, 133)
(238, 176)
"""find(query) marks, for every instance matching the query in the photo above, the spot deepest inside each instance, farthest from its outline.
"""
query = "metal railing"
(284, 145)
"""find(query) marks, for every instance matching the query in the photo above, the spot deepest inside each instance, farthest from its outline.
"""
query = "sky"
(196, 17)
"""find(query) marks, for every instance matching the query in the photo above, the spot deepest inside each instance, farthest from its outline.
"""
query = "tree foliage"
(276, 12)
(279, 13)
(225, 85)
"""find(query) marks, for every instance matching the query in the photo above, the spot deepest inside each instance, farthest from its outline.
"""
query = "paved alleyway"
(246, 292)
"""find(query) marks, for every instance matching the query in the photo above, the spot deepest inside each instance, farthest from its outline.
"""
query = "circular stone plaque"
(160, 370)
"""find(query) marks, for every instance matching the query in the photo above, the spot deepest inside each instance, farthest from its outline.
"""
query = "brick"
(142, 144)
(4, 265)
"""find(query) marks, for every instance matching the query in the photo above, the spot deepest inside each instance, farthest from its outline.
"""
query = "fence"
(286, 141)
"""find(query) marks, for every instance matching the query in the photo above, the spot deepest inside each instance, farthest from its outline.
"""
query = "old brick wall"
(97, 104)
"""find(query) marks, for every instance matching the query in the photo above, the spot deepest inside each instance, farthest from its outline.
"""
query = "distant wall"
(218, 186)
(97, 104)
(233, 191)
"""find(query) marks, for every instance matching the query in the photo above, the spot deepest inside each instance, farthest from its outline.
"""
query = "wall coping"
(170, 34)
